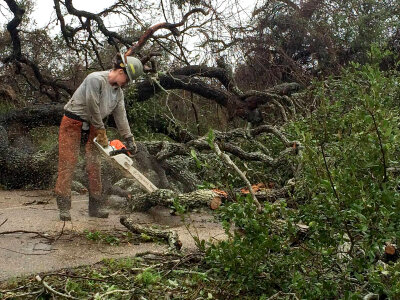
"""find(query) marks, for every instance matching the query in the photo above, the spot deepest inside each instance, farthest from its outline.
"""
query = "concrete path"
(25, 253)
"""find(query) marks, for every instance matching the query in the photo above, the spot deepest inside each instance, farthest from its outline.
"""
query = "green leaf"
(211, 138)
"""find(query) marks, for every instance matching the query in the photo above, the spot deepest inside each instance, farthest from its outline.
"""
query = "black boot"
(97, 207)
(64, 205)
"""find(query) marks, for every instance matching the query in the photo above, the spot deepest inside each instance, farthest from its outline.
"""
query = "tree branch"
(97, 18)
(231, 164)
(172, 27)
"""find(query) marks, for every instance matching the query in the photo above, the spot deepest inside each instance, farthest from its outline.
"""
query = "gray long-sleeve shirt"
(95, 99)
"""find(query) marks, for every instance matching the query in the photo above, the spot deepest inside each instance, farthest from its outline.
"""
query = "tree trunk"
(34, 116)
(19, 168)
(167, 198)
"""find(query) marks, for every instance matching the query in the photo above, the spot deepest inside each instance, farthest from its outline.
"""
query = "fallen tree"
(215, 83)
(157, 157)
(204, 198)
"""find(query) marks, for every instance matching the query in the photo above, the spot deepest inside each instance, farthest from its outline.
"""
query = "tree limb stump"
(170, 236)
(391, 253)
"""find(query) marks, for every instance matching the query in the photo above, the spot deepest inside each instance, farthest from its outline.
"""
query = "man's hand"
(101, 137)
(131, 145)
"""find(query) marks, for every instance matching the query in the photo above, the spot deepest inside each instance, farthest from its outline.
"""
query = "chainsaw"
(119, 155)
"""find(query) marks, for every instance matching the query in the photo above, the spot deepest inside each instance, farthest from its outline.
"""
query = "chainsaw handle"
(120, 151)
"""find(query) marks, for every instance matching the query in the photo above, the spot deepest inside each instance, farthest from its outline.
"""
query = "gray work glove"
(131, 145)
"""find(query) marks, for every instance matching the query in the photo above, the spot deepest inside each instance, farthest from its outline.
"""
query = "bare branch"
(172, 27)
(164, 150)
(97, 18)
(231, 164)
(18, 56)
(12, 28)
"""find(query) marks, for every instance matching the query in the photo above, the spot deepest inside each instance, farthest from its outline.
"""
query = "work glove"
(131, 145)
(101, 137)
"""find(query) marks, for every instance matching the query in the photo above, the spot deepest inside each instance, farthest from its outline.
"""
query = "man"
(98, 96)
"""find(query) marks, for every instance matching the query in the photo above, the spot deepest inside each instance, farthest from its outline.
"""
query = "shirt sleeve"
(121, 119)
(93, 87)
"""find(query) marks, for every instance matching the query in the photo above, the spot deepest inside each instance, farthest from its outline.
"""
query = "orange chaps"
(68, 151)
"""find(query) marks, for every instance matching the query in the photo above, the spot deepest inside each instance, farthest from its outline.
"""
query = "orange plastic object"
(117, 144)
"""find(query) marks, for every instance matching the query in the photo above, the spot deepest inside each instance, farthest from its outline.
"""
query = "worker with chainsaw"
(98, 96)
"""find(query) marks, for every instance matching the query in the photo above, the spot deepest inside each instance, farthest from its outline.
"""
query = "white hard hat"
(133, 67)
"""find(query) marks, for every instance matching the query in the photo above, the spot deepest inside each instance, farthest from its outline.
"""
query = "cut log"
(196, 199)
(163, 197)
(273, 194)
(391, 253)
(215, 202)
(170, 236)
(390, 249)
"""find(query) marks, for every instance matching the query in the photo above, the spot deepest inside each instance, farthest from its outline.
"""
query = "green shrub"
(255, 255)
(347, 193)
(350, 196)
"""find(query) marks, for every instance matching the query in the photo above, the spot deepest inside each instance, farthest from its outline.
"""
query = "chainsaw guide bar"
(125, 163)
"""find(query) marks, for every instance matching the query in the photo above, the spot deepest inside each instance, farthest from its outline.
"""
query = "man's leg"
(68, 152)
(97, 202)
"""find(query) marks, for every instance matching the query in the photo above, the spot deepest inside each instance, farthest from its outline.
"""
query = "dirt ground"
(24, 253)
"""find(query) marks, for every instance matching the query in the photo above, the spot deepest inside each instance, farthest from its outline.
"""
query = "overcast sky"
(44, 11)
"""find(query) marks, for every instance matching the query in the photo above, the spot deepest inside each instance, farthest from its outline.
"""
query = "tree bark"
(34, 116)
(167, 198)
(170, 236)
(19, 168)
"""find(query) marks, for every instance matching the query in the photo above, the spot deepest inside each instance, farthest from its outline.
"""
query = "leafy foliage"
(139, 114)
(126, 278)
(347, 195)
(351, 142)
(254, 255)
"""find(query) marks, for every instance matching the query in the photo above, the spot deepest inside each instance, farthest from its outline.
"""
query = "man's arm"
(121, 120)
(93, 86)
